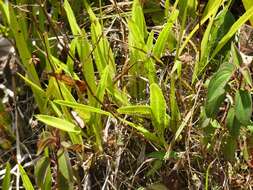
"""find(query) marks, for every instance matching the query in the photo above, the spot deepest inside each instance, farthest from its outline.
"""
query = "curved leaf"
(216, 89)
(58, 123)
(83, 107)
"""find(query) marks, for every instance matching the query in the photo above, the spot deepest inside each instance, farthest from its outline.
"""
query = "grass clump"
(126, 95)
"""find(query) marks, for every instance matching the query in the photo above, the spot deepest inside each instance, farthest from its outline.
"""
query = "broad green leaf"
(232, 123)
(43, 173)
(216, 88)
(83, 107)
(158, 107)
(233, 30)
(7, 177)
(167, 6)
(61, 124)
(243, 106)
(26, 181)
(83, 48)
(136, 109)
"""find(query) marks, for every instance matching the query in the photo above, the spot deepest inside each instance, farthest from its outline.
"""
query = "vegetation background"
(121, 94)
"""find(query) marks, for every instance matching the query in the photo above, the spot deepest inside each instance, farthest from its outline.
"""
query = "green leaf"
(4, 9)
(232, 123)
(243, 106)
(104, 82)
(247, 5)
(210, 10)
(216, 88)
(138, 18)
(26, 181)
(83, 107)
(218, 26)
(65, 173)
(25, 54)
(61, 124)
(71, 18)
(33, 85)
(43, 173)
(137, 109)
(183, 124)
(158, 107)
(7, 177)
(233, 30)
(163, 36)
(103, 53)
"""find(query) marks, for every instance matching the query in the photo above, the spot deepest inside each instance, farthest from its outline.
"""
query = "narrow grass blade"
(212, 10)
(33, 85)
(6, 184)
(71, 18)
(26, 181)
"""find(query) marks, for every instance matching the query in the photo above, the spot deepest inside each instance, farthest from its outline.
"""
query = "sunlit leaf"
(136, 109)
(61, 124)
(26, 181)
(6, 184)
